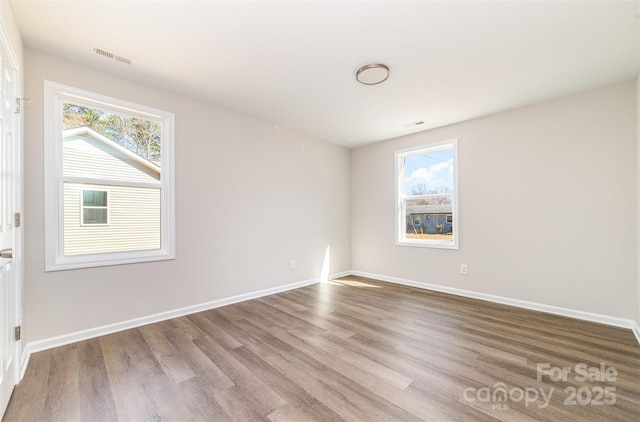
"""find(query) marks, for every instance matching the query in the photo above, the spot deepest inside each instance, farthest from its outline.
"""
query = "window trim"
(400, 214)
(83, 207)
(55, 95)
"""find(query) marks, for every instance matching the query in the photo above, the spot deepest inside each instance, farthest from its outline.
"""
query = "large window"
(109, 190)
(427, 196)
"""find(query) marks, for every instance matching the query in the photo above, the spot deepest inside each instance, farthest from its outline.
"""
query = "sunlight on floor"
(353, 283)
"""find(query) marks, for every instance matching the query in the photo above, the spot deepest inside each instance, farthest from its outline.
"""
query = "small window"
(427, 185)
(95, 207)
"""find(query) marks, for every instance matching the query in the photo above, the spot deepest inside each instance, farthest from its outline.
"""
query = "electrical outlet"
(463, 269)
(292, 265)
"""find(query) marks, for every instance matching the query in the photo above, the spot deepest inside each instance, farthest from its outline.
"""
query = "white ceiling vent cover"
(113, 56)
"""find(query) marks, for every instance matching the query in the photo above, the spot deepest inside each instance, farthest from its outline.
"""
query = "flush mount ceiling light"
(372, 74)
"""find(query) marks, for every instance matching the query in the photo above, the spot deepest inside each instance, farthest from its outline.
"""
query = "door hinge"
(18, 104)
(16, 333)
(16, 220)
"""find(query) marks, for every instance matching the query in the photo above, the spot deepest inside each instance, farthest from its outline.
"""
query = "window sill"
(107, 259)
(429, 244)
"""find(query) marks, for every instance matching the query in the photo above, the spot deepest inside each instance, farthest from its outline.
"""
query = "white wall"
(638, 206)
(250, 198)
(10, 24)
(547, 205)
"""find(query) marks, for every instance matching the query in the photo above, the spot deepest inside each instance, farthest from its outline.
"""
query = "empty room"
(319, 210)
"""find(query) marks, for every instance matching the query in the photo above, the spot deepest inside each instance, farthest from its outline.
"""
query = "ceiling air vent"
(113, 56)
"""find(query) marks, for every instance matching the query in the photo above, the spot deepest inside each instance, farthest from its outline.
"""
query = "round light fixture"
(372, 74)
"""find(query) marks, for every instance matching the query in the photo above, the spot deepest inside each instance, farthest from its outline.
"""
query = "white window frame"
(83, 207)
(55, 95)
(401, 219)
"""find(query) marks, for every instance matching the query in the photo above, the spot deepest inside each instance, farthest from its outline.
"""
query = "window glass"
(94, 198)
(427, 192)
(94, 216)
(94, 208)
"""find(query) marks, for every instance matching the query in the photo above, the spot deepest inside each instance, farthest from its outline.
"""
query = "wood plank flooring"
(350, 350)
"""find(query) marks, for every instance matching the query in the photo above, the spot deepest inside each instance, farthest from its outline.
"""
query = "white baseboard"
(342, 274)
(572, 313)
(65, 339)
(636, 330)
(24, 361)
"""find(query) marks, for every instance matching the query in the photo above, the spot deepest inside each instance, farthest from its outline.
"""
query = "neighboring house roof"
(429, 209)
(86, 130)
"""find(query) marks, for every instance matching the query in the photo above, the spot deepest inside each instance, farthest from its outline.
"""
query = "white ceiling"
(293, 63)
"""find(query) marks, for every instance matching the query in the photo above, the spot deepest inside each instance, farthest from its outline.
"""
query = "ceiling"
(293, 63)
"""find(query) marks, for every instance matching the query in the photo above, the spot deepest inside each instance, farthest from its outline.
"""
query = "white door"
(10, 192)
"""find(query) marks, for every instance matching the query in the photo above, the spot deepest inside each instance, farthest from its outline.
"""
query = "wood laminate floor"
(353, 350)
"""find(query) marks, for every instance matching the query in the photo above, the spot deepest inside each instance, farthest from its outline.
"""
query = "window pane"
(429, 173)
(105, 145)
(427, 197)
(92, 198)
(429, 218)
(95, 216)
(131, 223)
(138, 135)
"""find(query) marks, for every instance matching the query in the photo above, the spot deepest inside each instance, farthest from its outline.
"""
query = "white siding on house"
(134, 212)
(85, 156)
(134, 221)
